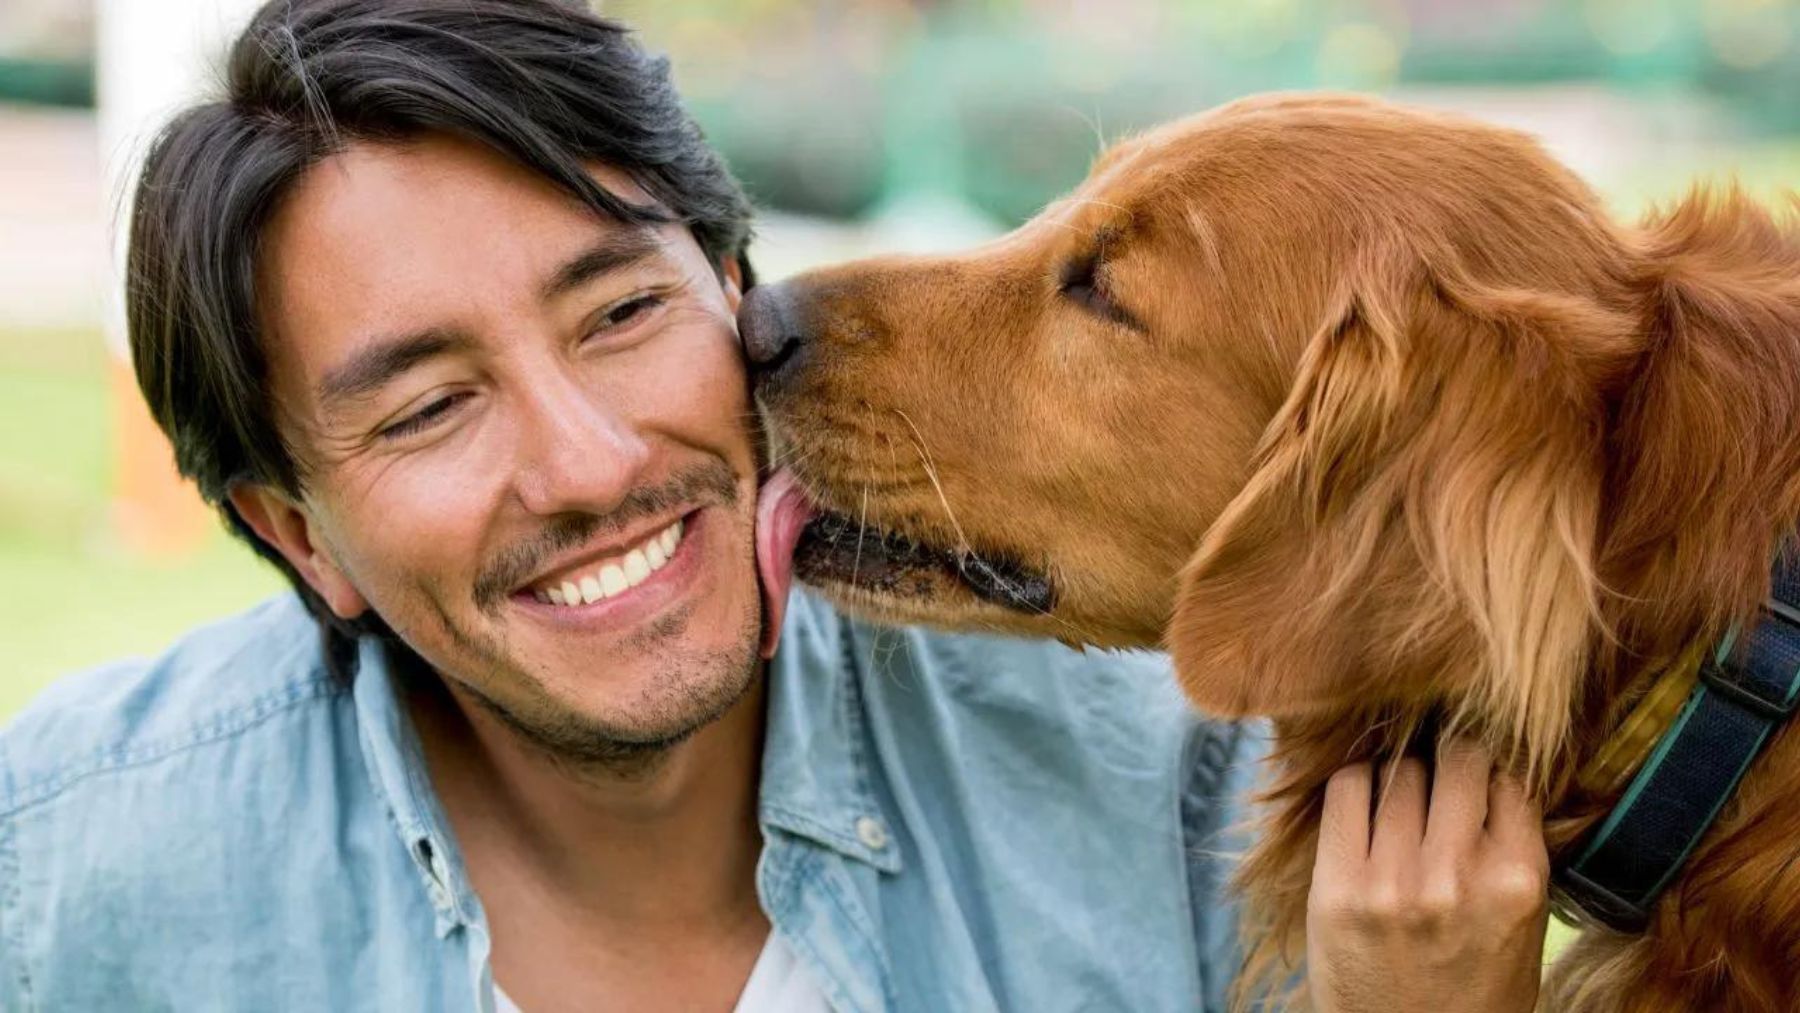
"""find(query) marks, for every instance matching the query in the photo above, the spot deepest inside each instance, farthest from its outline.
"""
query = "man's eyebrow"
(619, 248)
(373, 366)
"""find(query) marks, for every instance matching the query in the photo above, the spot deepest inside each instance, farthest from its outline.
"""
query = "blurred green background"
(859, 126)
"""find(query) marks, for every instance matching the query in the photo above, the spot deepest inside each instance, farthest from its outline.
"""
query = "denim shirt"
(950, 823)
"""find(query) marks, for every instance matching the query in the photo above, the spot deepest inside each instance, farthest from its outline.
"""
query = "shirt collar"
(816, 775)
(816, 781)
(396, 765)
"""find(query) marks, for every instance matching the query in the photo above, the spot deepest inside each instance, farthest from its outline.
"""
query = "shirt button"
(870, 831)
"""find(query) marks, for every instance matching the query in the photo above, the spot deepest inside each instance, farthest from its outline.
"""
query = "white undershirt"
(778, 983)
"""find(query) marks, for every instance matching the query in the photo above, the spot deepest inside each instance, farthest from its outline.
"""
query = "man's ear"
(733, 275)
(288, 528)
(1420, 522)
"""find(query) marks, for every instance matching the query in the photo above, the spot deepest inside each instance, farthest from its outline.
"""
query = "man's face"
(525, 436)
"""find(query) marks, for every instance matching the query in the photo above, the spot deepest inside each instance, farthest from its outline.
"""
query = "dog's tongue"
(782, 510)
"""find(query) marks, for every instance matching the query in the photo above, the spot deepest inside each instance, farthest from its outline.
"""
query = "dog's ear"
(1420, 521)
(1712, 409)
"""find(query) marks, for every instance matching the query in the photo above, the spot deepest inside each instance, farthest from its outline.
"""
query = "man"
(438, 308)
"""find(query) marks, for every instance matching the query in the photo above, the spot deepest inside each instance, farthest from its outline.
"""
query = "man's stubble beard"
(698, 690)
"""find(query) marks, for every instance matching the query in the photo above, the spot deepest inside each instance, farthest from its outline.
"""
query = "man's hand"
(1435, 910)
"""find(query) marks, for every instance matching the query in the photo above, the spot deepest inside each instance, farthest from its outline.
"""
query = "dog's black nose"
(769, 327)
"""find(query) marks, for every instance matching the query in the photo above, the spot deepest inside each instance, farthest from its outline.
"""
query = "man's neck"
(670, 843)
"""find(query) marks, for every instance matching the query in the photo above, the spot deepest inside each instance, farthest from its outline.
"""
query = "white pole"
(154, 57)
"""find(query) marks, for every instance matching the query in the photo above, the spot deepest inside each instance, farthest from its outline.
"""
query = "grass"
(70, 596)
(71, 607)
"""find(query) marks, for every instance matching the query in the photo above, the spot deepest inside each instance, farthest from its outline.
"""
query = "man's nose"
(769, 324)
(580, 456)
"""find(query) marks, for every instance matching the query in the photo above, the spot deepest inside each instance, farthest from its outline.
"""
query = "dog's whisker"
(918, 441)
(795, 453)
(1018, 594)
(795, 463)
(1097, 202)
(781, 456)
(862, 527)
(1092, 122)
(1063, 225)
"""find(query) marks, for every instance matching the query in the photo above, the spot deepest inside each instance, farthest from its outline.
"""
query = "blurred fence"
(837, 107)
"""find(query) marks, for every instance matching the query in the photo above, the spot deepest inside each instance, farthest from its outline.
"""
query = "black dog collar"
(1747, 689)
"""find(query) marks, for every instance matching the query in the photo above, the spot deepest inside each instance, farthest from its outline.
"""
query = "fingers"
(1443, 905)
(1343, 852)
(1399, 817)
(1344, 823)
(1343, 826)
(1515, 820)
(1431, 832)
(1459, 797)
(1515, 863)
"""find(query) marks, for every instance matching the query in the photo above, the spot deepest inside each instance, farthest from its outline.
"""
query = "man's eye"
(627, 311)
(422, 419)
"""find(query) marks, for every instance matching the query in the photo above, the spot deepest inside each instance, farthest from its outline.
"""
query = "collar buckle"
(1766, 698)
(1582, 897)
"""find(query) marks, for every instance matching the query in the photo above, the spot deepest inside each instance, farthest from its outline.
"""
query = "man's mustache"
(709, 483)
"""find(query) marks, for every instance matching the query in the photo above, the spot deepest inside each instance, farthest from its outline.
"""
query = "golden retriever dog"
(1376, 422)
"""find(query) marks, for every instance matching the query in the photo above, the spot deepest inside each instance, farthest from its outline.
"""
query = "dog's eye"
(1081, 285)
(1084, 293)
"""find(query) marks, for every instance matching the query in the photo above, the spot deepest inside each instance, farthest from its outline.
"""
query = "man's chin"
(653, 696)
(581, 741)
(623, 676)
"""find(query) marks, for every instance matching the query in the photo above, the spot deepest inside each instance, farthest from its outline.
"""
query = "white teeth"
(637, 568)
(542, 597)
(590, 590)
(612, 579)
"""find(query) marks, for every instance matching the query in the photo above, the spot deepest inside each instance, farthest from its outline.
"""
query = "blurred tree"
(837, 106)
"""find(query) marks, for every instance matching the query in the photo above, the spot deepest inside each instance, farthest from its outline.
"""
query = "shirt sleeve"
(1222, 762)
(14, 989)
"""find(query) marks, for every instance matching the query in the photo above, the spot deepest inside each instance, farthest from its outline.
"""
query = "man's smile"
(624, 583)
(608, 572)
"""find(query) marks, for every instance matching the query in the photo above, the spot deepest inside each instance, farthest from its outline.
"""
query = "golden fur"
(1382, 427)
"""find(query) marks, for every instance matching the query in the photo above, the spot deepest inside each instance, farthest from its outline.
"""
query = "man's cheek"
(411, 546)
(706, 400)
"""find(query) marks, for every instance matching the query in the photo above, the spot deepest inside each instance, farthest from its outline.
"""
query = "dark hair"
(547, 83)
